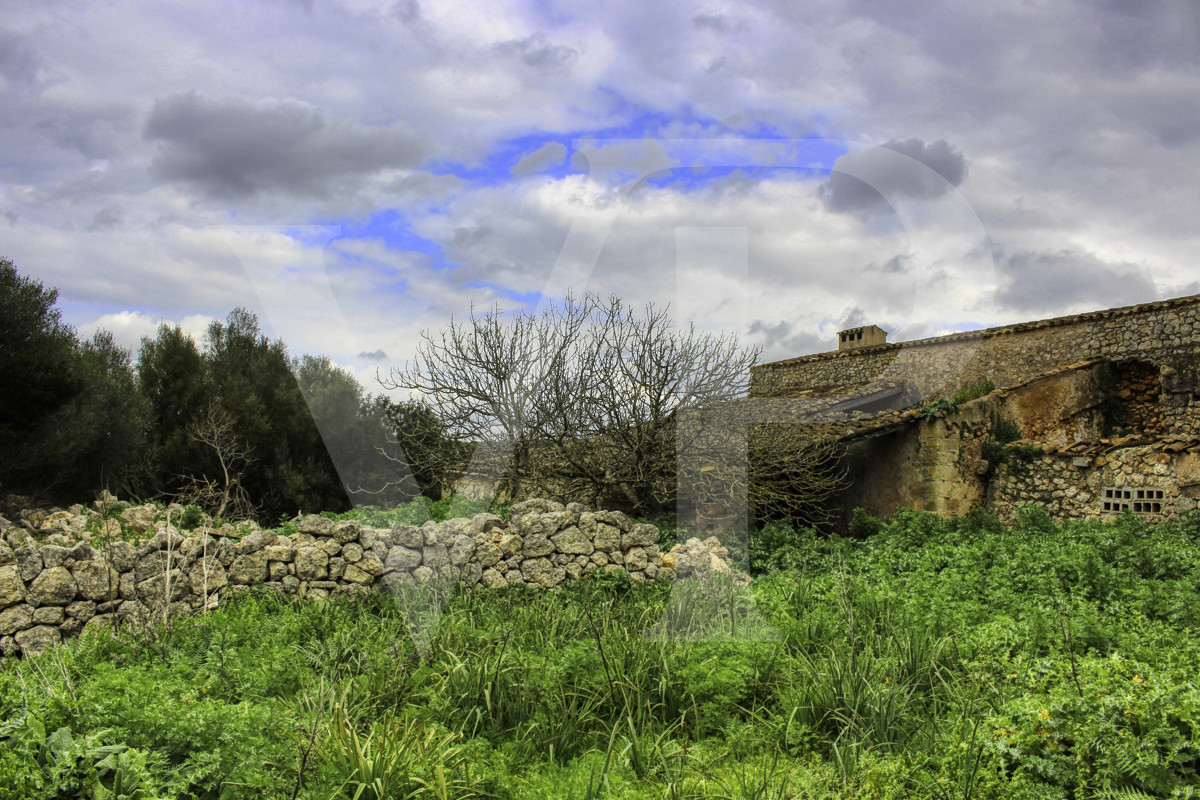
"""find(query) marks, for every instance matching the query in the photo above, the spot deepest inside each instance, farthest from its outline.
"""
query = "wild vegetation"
(926, 657)
(232, 424)
(588, 400)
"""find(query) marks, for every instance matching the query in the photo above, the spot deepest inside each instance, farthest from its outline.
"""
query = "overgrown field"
(929, 659)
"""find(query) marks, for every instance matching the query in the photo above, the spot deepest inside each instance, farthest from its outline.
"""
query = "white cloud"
(1076, 120)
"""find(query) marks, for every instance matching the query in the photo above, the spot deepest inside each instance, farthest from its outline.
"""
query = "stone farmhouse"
(1090, 415)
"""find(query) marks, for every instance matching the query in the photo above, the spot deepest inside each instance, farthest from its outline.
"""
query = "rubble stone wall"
(52, 591)
(1073, 486)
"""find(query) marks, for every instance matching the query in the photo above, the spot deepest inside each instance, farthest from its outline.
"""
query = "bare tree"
(601, 402)
(484, 377)
(217, 431)
(613, 406)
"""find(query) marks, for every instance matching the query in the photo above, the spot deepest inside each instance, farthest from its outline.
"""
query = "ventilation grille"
(1139, 501)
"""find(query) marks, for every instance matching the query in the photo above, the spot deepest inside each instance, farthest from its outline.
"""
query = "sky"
(359, 171)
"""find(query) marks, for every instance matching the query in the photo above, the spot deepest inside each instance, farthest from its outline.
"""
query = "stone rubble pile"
(77, 581)
(695, 558)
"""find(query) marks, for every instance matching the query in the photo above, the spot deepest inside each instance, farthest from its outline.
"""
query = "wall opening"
(1140, 501)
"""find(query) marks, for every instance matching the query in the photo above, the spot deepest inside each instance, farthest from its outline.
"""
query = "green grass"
(931, 659)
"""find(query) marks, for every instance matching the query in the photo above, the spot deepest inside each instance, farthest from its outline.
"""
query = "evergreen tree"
(40, 373)
(100, 436)
(355, 433)
(172, 379)
(252, 382)
(435, 459)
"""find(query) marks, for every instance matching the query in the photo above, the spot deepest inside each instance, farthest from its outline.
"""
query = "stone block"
(371, 564)
(542, 572)
(29, 560)
(49, 615)
(311, 563)
(121, 555)
(403, 559)
(407, 536)
(537, 546)
(572, 540)
(248, 568)
(207, 576)
(461, 549)
(315, 525)
(38, 640)
(12, 588)
(53, 555)
(640, 535)
(492, 579)
(52, 587)
(353, 574)
(607, 537)
(487, 555)
(15, 618)
(82, 610)
(435, 556)
(96, 580)
(346, 530)
(337, 566)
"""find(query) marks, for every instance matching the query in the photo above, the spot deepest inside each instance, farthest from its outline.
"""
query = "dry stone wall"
(49, 591)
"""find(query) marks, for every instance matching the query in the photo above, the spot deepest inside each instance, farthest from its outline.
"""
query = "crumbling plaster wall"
(937, 464)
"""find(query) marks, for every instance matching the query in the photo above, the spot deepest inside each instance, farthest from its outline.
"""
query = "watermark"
(625, 166)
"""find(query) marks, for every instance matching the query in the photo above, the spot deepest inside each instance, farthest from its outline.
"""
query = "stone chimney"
(868, 336)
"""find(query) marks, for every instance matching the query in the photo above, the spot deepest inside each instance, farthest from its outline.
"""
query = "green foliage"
(1005, 431)
(421, 510)
(70, 420)
(970, 393)
(938, 407)
(173, 378)
(435, 459)
(192, 518)
(355, 431)
(37, 356)
(932, 657)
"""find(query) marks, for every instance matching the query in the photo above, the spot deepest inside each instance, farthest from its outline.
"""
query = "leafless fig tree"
(484, 377)
(612, 408)
(589, 397)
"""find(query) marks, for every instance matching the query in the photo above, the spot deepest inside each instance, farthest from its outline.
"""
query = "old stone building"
(1090, 415)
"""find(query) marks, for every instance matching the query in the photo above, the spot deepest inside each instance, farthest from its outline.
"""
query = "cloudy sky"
(356, 171)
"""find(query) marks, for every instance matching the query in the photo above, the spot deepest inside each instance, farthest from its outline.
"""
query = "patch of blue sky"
(526, 301)
(387, 226)
(704, 148)
(314, 235)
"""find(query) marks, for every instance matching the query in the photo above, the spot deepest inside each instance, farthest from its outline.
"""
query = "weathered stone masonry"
(1166, 333)
(52, 591)
(1058, 380)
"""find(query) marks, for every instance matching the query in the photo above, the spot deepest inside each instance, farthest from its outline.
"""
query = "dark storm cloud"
(236, 149)
(19, 64)
(536, 52)
(551, 154)
(1038, 282)
(884, 176)
(783, 339)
